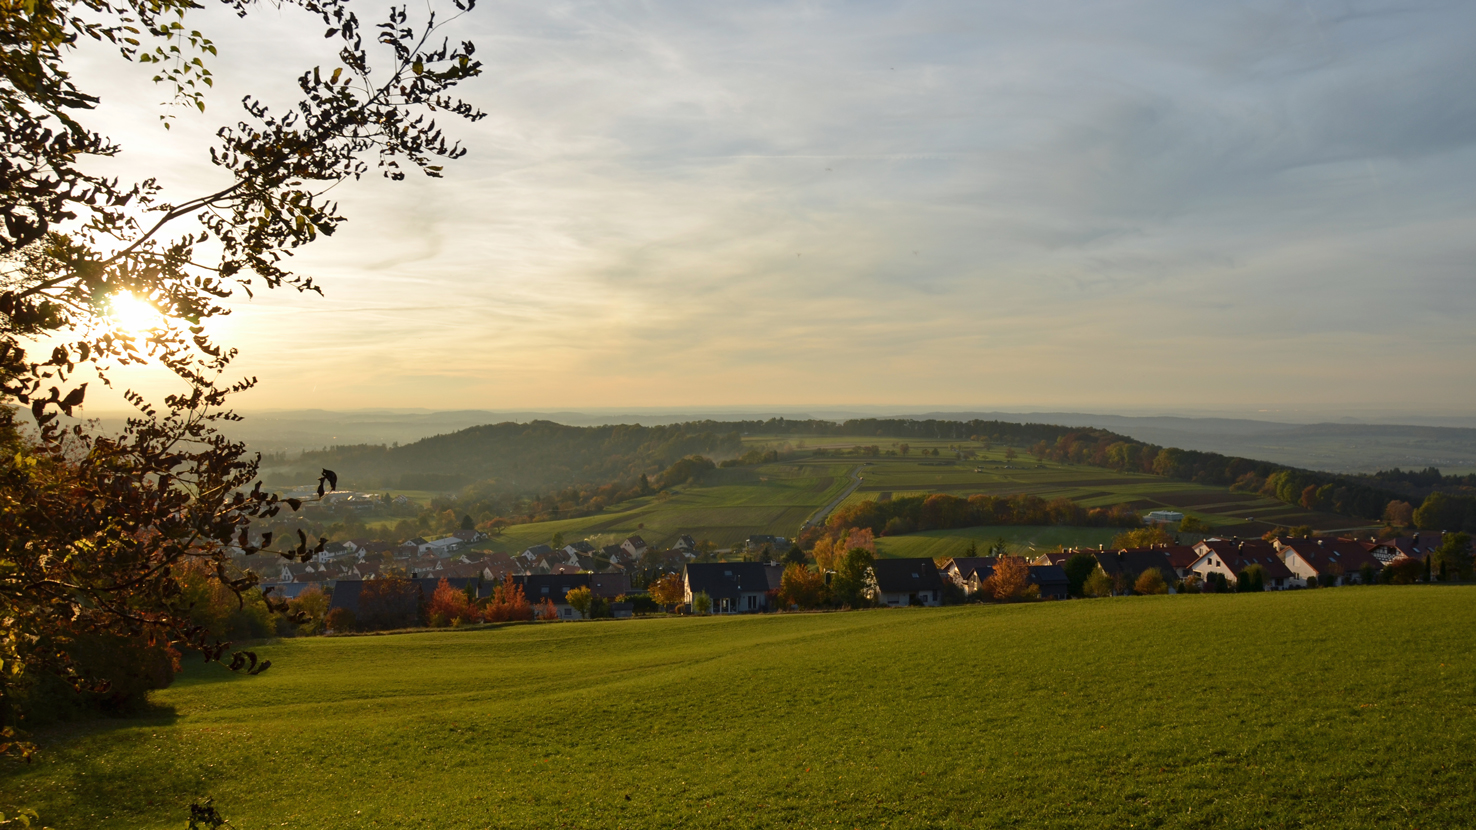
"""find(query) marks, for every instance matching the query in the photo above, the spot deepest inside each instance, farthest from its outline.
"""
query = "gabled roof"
(906, 576)
(964, 566)
(1322, 554)
(1238, 554)
(580, 546)
(635, 541)
(726, 579)
(536, 551)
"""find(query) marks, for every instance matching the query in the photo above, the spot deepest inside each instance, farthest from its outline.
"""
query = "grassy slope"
(1332, 708)
(733, 503)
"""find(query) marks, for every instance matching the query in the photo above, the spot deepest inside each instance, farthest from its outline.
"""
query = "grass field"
(1346, 708)
(731, 504)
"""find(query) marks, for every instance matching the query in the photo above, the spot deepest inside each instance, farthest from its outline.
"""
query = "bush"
(1099, 584)
(1251, 580)
(701, 603)
(122, 671)
(580, 599)
(1366, 574)
(1078, 569)
(314, 604)
(1150, 582)
(546, 610)
(340, 620)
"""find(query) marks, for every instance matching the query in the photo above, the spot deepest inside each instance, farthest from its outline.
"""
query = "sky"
(1232, 207)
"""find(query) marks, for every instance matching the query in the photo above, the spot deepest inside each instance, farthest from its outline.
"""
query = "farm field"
(731, 504)
(1096, 713)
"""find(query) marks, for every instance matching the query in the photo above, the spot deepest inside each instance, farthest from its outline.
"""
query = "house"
(903, 582)
(535, 552)
(365, 570)
(1051, 581)
(580, 548)
(1132, 562)
(635, 546)
(969, 572)
(409, 547)
(776, 544)
(1418, 546)
(470, 537)
(1164, 517)
(734, 587)
(618, 557)
(442, 548)
(1337, 560)
(554, 588)
(1181, 557)
(686, 543)
(499, 566)
(1231, 556)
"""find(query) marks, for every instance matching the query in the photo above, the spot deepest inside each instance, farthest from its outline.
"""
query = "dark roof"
(906, 576)
(727, 579)
(966, 565)
(1049, 576)
(775, 573)
(552, 586)
(1134, 561)
(1237, 555)
(609, 585)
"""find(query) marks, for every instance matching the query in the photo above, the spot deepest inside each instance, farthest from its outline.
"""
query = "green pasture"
(1335, 708)
(730, 504)
(727, 506)
(1021, 540)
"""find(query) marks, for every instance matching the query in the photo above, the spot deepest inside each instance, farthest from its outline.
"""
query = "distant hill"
(520, 457)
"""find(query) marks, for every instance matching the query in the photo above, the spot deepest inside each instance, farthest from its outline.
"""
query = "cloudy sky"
(1118, 205)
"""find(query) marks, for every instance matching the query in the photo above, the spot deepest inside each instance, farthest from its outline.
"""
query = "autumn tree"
(854, 582)
(449, 606)
(95, 528)
(1452, 559)
(1098, 584)
(507, 603)
(1142, 537)
(803, 588)
(1399, 514)
(1010, 580)
(579, 599)
(668, 591)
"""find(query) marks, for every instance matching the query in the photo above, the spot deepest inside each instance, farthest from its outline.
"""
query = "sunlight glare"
(132, 314)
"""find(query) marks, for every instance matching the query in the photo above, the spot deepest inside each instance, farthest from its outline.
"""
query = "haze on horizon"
(1161, 206)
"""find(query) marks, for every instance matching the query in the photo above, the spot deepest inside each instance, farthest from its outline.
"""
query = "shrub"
(642, 604)
(1099, 584)
(314, 604)
(1251, 580)
(340, 620)
(1366, 574)
(126, 670)
(1078, 569)
(547, 611)
(701, 603)
(1405, 571)
(1150, 582)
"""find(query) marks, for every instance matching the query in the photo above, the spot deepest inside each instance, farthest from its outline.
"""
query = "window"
(752, 602)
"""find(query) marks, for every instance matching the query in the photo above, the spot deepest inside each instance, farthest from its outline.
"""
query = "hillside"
(519, 457)
(1082, 714)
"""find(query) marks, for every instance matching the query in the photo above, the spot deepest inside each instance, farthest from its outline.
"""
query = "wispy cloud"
(940, 202)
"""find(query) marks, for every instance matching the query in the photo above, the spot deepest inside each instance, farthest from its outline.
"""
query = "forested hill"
(519, 457)
(541, 454)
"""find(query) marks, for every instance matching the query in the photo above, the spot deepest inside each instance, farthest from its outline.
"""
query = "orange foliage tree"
(449, 606)
(1011, 579)
(547, 611)
(669, 590)
(508, 603)
(802, 587)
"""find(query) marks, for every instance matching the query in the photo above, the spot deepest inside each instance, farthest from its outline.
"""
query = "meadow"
(730, 504)
(1346, 708)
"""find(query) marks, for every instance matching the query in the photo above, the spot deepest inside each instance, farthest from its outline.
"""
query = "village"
(617, 575)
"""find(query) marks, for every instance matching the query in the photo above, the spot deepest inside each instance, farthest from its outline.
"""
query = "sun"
(132, 314)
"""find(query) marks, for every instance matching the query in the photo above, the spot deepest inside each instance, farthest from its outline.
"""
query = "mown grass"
(1347, 708)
